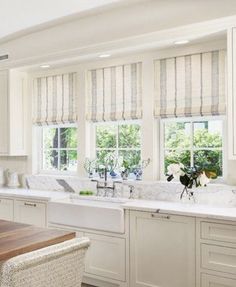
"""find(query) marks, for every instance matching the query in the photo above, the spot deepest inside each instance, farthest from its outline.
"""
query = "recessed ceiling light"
(104, 56)
(45, 66)
(181, 42)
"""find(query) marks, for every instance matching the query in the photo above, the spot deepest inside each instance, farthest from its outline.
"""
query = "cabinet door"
(106, 257)
(6, 209)
(30, 212)
(162, 250)
(4, 125)
(17, 112)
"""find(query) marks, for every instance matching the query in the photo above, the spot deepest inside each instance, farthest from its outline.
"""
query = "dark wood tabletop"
(18, 238)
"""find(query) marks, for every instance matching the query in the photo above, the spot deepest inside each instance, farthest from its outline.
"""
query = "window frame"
(221, 179)
(116, 149)
(43, 171)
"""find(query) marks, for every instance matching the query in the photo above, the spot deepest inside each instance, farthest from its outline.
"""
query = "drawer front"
(216, 281)
(30, 212)
(218, 258)
(218, 232)
(105, 257)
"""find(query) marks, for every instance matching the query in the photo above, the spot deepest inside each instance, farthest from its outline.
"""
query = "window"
(59, 148)
(119, 139)
(194, 143)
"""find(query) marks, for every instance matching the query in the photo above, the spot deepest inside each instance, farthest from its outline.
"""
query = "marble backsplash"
(213, 194)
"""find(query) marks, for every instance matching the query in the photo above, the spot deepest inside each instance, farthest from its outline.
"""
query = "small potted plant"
(125, 170)
(89, 166)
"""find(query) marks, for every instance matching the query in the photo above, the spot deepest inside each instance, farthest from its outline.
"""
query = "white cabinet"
(216, 253)
(4, 112)
(6, 209)
(106, 257)
(30, 212)
(162, 250)
(13, 92)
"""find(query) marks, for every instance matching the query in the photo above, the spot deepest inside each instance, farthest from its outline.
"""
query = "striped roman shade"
(115, 93)
(55, 99)
(192, 85)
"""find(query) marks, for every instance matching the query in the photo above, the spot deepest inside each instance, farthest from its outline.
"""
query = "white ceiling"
(84, 29)
(17, 15)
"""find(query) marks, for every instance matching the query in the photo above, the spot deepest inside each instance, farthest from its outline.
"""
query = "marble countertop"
(165, 207)
(186, 209)
(32, 194)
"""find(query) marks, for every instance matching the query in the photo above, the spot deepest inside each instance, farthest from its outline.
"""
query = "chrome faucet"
(104, 185)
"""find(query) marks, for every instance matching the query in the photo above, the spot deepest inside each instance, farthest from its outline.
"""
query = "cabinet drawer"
(218, 232)
(218, 258)
(6, 209)
(30, 212)
(216, 281)
(106, 257)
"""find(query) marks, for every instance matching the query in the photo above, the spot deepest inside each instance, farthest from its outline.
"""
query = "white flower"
(203, 179)
(175, 169)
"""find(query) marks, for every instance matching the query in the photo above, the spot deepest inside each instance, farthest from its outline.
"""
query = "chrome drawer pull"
(30, 204)
(154, 215)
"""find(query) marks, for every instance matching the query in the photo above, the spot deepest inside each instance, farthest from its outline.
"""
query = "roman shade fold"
(55, 99)
(115, 93)
(192, 85)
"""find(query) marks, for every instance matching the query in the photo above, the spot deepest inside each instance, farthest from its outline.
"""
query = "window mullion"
(117, 140)
(191, 142)
(59, 152)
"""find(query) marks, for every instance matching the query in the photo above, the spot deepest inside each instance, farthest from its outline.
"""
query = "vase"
(138, 173)
(124, 174)
(187, 195)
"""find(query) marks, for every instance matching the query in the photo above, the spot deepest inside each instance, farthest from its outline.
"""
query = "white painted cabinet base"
(106, 256)
(162, 250)
(106, 259)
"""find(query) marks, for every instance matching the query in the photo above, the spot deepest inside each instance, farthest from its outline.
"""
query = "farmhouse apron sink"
(105, 214)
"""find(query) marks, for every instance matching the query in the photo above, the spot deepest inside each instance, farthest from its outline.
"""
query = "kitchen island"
(18, 238)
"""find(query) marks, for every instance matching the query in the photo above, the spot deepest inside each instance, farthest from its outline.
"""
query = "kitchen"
(123, 134)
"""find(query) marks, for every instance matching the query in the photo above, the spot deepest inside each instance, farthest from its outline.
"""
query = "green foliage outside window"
(201, 141)
(122, 140)
(60, 148)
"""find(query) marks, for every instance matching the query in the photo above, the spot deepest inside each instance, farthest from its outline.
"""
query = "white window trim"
(42, 171)
(192, 119)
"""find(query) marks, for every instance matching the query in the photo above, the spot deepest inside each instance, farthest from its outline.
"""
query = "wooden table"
(17, 238)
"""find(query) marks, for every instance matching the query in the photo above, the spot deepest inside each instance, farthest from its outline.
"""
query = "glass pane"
(106, 136)
(68, 137)
(211, 159)
(50, 160)
(68, 160)
(177, 157)
(130, 158)
(102, 155)
(129, 136)
(207, 134)
(177, 135)
(50, 138)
